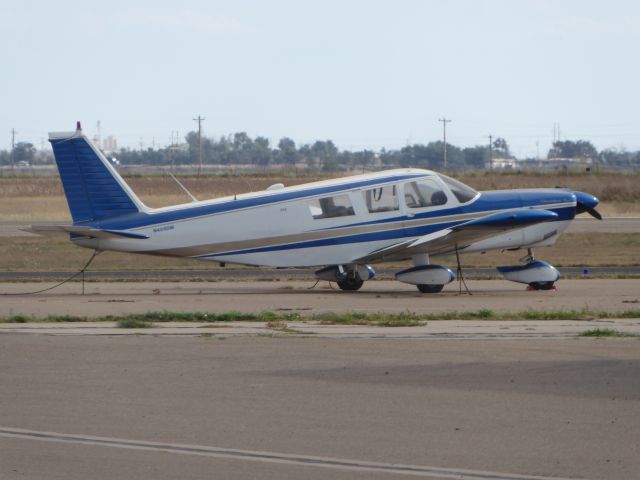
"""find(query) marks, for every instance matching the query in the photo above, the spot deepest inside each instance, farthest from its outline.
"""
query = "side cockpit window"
(331, 207)
(424, 193)
(382, 199)
(464, 193)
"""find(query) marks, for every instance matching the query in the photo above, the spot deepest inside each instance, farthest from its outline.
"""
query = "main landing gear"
(426, 288)
(351, 283)
(428, 278)
(348, 277)
(541, 286)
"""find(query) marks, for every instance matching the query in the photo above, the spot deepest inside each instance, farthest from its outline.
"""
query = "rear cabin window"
(382, 199)
(331, 207)
(424, 193)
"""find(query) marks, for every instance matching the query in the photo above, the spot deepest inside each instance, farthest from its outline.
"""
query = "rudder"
(94, 190)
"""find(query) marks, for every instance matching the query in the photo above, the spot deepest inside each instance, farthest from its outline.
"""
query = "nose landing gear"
(538, 275)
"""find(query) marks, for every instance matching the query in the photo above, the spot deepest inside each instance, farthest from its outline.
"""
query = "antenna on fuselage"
(193, 198)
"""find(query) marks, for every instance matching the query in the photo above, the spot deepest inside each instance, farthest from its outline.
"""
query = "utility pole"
(556, 137)
(556, 132)
(170, 152)
(444, 131)
(173, 148)
(490, 152)
(199, 120)
(13, 146)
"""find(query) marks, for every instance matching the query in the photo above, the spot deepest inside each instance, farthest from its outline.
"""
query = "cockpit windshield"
(463, 192)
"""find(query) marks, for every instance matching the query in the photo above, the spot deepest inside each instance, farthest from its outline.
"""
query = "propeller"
(586, 202)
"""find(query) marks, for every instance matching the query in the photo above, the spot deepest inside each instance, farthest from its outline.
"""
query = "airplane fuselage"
(331, 222)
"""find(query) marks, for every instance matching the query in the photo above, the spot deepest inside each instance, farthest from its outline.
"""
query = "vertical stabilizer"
(94, 190)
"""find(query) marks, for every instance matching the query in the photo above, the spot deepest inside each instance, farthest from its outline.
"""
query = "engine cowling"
(426, 275)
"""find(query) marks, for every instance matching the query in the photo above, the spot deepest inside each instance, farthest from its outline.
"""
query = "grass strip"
(130, 323)
(386, 319)
(403, 319)
(233, 316)
(605, 332)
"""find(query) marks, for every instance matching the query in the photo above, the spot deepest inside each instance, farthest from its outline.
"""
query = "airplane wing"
(449, 240)
(85, 231)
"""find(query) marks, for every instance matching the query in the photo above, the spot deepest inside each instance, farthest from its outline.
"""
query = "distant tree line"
(323, 155)
(23, 152)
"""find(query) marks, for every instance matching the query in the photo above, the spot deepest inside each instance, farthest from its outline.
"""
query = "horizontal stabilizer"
(86, 231)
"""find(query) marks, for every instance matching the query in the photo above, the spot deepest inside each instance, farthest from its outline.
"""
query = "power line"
(200, 119)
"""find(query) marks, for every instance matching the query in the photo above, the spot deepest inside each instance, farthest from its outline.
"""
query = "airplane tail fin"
(94, 190)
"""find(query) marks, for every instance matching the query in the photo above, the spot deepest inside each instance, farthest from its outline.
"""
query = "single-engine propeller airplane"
(342, 225)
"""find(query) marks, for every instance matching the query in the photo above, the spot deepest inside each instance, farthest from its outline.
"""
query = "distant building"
(562, 162)
(569, 161)
(559, 163)
(503, 164)
(110, 144)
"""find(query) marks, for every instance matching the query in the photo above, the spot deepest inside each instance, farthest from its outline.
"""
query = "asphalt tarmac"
(467, 400)
(109, 298)
(275, 407)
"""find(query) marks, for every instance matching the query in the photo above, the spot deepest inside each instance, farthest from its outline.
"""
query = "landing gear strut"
(529, 257)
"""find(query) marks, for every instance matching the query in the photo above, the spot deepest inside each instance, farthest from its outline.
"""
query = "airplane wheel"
(424, 288)
(541, 285)
(351, 283)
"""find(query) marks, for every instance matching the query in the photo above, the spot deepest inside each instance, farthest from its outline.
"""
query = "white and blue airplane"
(342, 225)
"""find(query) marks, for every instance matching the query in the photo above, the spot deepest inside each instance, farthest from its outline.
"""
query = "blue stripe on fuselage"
(398, 234)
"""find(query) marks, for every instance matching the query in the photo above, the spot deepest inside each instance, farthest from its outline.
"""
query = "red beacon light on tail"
(78, 126)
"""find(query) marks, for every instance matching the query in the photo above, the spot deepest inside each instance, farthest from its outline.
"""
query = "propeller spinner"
(586, 202)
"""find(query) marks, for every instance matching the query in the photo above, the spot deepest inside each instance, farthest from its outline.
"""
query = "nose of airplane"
(586, 202)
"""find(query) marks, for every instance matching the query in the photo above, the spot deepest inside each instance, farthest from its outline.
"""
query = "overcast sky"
(366, 74)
